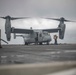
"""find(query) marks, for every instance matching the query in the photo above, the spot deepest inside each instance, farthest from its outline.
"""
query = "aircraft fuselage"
(38, 36)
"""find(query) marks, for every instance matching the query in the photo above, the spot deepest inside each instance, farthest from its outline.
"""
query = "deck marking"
(68, 51)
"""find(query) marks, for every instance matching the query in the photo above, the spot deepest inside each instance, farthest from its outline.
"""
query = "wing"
(24, 31)
(51, 30)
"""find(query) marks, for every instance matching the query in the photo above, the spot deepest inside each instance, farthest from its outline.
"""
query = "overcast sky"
(37, 9)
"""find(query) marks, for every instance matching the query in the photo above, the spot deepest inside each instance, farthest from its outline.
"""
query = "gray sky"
(39, 8)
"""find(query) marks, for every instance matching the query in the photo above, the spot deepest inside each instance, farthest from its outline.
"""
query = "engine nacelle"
(62, 31)
(8, 29)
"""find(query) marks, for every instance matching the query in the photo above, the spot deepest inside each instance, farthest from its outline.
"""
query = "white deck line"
(65, 72)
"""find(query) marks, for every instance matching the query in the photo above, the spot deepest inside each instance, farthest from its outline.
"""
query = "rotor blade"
(53, 19)
(2, 17)
(69, 21)
(61, 19)
(14, 18)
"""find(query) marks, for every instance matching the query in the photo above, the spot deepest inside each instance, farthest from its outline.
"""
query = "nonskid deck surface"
(19, 54)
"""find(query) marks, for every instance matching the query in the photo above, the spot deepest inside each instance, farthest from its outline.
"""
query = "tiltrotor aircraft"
(34, 35)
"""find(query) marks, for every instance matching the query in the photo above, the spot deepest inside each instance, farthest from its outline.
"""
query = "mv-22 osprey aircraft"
(34, 35)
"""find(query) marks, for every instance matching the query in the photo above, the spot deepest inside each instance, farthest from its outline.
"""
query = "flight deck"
(26, 54)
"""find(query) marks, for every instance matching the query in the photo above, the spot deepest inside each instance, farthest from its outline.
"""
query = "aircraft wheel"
(40, 43)
(26, 43)
(47, 43)
(0, 46)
